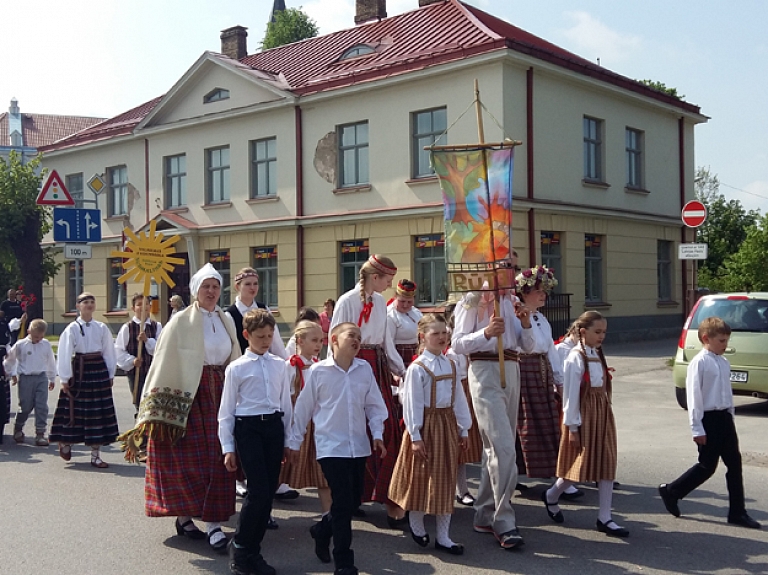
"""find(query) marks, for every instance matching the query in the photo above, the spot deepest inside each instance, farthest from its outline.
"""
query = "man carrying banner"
(476, 334)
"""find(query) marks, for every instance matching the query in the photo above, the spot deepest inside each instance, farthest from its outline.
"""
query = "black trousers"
(722, 443)
(345, 478)
(260, 450)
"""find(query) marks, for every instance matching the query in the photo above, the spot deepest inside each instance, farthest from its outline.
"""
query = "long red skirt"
(378, 471)
(189, 478)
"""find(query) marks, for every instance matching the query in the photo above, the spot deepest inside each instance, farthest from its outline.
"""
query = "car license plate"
(739, 376)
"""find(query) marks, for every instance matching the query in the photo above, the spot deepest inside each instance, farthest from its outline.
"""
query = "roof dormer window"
(358, 50)
(216, 95)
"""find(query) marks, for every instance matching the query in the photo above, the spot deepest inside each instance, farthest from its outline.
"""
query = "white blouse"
(84, 337)
(542, 333)
(573, 372)
(374, 331)
(218, 346)
(416, 394)
(403, 326)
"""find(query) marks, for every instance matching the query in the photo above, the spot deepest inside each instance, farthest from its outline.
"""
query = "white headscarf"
(204, 273)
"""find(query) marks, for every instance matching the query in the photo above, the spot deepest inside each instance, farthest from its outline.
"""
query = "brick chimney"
(370, 10)
(234, 42)
(428, 2)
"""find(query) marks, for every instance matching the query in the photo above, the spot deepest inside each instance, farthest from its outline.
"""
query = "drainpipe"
(146, 180)
(529, 163)
(687, 299)
(299, 208)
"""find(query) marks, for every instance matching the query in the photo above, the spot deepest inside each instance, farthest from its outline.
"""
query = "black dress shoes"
(556, 517)
(322, 541)
(421, 540)
(397, 523)
(744, 520)
(611, 530)
(670, 501)
(572, 496)
(455, 549)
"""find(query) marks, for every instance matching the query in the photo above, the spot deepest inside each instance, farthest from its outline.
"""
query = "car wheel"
(682, 399)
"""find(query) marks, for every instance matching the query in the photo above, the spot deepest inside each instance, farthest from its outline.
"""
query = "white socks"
(605, 491)
(416, 521)
(554, 493)
(443, 524)
(283, 488)
(570, 489)
(461, 480)
(216, 537)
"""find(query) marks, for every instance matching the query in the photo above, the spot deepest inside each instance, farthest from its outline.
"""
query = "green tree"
(746, 270)
(662, 87)
(724, 231)
(24, 224)
(290, 25)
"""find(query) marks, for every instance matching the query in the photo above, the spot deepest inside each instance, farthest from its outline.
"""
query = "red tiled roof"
(39, 130)
(427, 36)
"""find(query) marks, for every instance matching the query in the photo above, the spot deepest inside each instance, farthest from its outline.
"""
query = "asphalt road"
(69, 518)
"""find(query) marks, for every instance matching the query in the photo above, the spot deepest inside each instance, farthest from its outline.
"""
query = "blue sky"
(97, 58)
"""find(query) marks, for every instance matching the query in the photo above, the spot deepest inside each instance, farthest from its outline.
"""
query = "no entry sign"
(694, 214)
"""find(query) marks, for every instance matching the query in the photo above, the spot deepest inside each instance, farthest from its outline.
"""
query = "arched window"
(355, 51)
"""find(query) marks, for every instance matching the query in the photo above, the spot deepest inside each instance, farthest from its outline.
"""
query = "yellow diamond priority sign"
(97, 184)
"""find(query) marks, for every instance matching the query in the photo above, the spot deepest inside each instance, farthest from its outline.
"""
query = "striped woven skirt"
(378, 471)
(88, 416)
(474, 451)
(407, 351)
(189, 478)
(306, 472)
(538, 419)
(595, 459)
(429, 486)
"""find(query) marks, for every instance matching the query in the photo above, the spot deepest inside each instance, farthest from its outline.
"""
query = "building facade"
(302, 160)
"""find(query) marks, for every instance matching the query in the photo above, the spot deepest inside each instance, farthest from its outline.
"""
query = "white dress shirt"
(404, 327)
(472, 316)
(277, 348)
(27, 358)
(374, 331)
(573, 371)
(708, 388)
(542, 333)
(462, 364)
(125, 359)
(339, 402)
(564, 348)
(416, 394)
(253, 385)
(84, 337)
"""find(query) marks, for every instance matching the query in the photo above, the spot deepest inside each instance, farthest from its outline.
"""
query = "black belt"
(263, 416)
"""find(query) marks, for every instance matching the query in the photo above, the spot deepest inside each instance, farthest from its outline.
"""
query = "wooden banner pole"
(144, 307)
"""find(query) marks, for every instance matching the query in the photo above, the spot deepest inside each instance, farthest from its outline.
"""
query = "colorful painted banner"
(477, 200)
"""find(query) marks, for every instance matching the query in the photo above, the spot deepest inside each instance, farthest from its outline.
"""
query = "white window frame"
(438, 122)
(593, 269)
(217, 164)
(117, 180)
(354, 167)
(593, 149)
(634, 150)
(264, 168)
(175, 181)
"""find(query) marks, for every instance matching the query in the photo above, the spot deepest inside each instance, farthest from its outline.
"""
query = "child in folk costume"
(127, 346)
(365, 307)
(588, 445)
(306, 313)
(436, 419)
(339, 395)
(403, 320)
(86, 365)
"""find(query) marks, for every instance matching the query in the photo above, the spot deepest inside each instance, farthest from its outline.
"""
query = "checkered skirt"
(189, 478)
(474, 451)
(95, 422)
(407, 351)
(595, 459)
(378, 471)
(538, 419)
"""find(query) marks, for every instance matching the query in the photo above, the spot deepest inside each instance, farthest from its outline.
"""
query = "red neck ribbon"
(365, 315)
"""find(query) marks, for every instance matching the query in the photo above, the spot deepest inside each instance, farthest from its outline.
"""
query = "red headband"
(242, 276)
(406, 289)
(381, 267)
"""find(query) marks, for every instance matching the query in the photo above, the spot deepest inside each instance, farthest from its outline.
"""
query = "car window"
(742, 315)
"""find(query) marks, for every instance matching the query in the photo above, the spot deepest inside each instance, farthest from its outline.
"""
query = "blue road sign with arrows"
(76, 225)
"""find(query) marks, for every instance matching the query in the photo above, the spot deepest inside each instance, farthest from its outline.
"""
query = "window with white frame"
(176, 181)
(551, 255)
(353, 254)
(74, 184)
(426, 128)
(264, 168)
(217, 166)
(216, 95)
(634, 149)
(429, 269)
(117, 295)
(664, 269)
(593, 268)
(117, 179)
(74, 283)
(265, 263)
(353, 154)
(593, 149)
(219, 259)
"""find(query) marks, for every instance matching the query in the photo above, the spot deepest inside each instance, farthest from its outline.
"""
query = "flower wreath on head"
(531, 279)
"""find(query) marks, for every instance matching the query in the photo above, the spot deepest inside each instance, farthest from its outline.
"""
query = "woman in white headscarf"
(185, 476)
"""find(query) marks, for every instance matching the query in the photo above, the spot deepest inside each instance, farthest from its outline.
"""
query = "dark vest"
(132, 347)
(238, 317)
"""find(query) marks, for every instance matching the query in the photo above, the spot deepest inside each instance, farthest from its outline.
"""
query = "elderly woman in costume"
(365, 307)
(403, 320)
(185, 476)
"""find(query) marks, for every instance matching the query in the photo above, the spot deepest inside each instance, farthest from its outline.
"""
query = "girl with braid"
(365, 307)
(588, 442)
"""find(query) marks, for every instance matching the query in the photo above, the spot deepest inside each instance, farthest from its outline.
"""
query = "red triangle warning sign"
(54, 192)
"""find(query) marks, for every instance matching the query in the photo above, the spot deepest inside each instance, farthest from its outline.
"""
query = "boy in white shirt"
(340, 393)
(254, 421)
(711, 412)
(31, 364)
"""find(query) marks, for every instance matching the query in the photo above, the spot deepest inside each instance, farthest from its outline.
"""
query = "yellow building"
(302, 160)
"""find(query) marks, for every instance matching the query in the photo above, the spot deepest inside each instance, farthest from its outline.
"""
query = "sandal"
(220, 544)
(65, 451)
(97, 462)
(188, 529)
